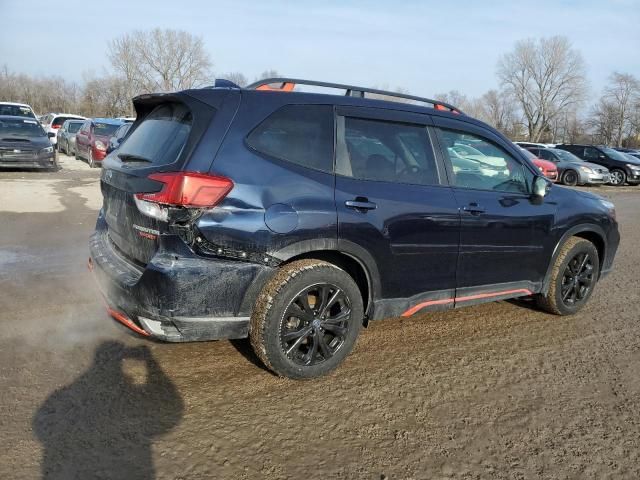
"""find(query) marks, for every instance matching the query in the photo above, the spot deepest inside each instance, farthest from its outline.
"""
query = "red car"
(547, 168)
(93, 137)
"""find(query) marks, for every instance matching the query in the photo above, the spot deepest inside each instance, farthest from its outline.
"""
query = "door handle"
(360, 203)
(473, 209)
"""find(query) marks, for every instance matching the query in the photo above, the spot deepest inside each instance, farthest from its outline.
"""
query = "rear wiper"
(130, 157)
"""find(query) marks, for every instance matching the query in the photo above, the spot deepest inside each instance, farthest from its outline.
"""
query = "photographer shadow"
(104, 423)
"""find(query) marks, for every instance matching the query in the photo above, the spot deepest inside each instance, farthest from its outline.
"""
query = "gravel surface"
(494, 391)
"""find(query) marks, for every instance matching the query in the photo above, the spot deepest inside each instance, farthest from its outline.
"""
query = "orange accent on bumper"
(445, 301)
(123, 319)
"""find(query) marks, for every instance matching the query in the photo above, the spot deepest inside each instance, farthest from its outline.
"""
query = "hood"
(593, 166)
(18, 142)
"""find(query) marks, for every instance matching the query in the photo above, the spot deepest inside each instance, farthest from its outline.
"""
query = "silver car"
(67, 136)
(571, 169)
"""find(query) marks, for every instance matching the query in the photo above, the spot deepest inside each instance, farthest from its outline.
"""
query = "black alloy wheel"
(315, 324)
(577, 279)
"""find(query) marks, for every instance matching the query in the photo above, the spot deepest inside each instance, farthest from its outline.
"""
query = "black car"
(631, 151)
(295, 218)
(24, 144)
(621, 168)
(118, 136)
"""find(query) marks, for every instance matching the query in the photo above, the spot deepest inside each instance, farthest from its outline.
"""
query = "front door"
(504, 231)
(392, 201)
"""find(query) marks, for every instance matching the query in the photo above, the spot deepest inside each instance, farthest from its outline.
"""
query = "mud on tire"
(306, 319)
(570, 259)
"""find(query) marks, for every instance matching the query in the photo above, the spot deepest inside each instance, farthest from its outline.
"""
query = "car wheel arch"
(594, 233)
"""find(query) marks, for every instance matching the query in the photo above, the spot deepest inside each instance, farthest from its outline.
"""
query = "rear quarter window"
(300, 134)
(161, 136)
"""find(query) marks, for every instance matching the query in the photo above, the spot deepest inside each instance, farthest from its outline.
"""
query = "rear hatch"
(164, 138)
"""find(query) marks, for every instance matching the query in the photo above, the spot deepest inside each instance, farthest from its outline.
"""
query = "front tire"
(306, 319)
(570, 178)
(618, 177)
(573, 278)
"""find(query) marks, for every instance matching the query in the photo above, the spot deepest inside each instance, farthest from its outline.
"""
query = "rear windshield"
(20, 128)
(104, 129)
(73, 127)
(162, 135)
(60, 120)
(16, 111)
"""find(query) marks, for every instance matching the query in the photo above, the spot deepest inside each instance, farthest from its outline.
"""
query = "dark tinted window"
(591, 153)
(162, 135)
(494, 169)
(73, 127)
(60, 120)
(301, 134)
(16, 111)
(385, 151)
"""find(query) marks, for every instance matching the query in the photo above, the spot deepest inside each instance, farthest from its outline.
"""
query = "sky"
(426, 47)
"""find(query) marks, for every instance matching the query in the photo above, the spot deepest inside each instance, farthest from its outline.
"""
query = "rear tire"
(573, 277)
(306, 319)
(570, 178)
(618, 177)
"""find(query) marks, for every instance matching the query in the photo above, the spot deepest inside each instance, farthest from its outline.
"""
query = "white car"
(51, 122)
(16, 109)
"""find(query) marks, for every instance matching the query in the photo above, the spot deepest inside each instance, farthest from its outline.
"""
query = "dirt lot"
(495, 391)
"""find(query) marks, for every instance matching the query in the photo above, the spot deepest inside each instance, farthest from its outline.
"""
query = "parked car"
(51, 122)
(127, 119)
(16, 110)
(295, 218)
(571, 169)
(547, 168)
(531, 144)
(67, 136)
(621, 168)
(24, 144)
(93, 137)
(118, 136)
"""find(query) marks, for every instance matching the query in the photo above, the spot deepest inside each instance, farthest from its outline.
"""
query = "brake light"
(56, 126)
(188, 189)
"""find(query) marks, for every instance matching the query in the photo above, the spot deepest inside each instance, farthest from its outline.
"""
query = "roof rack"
(283, 84)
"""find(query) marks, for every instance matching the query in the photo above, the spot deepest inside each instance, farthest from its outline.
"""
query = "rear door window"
(161, 136)
(300, 134)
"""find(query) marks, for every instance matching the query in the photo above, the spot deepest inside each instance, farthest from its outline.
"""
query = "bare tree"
(545, 77)
(497, 109)
(622, 94)
(268, 74)
(237, 78)
(160, 60)
(603, 121)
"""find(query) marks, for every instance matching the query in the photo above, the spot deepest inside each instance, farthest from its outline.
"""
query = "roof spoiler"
(282, 84)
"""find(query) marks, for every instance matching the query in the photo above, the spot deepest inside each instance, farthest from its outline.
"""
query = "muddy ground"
(494, 391)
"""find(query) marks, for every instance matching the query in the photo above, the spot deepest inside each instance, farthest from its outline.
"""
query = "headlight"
(586, 170)
(46, 150)
(633, 167)
(100, 146)
(609, 206)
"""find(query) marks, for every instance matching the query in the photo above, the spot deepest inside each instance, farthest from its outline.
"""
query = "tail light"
(56, 126)
(183, 189)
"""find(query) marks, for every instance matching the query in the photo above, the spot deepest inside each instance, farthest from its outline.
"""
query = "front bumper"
(633, 176)
(29, 162)
(178, 296)
(594, 178)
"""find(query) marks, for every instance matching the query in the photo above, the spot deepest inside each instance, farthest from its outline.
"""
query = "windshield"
(73, 127)
(16, 111)
(613, 154)
(104, 129)
(566, 156)
(20, 128)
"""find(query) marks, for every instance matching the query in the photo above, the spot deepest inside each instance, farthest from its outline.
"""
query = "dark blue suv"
(294, 218)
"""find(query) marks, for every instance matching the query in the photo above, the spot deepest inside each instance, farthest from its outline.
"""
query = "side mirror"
(540, 187)
(51, 134)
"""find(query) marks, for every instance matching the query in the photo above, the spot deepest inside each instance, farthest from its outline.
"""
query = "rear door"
(392, 202)
(504, 232)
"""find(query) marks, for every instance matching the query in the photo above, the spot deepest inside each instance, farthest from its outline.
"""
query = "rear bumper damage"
(178, 296)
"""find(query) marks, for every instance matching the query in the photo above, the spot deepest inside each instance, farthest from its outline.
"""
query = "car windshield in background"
(20, 128)
(161, 137)
(74, 127)
(566, 156)
(105, 129)
(16, 111)
(614, 154)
